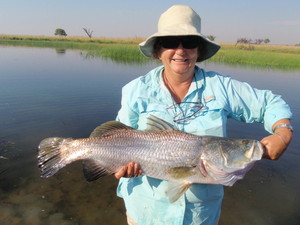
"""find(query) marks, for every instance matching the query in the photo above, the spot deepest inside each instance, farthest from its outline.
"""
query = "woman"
(197, 102)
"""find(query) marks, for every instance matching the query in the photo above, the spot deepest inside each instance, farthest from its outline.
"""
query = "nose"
(180, 49)
(180, 46)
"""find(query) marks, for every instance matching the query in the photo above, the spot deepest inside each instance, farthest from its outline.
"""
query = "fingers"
(121, 172)
(129, 170)
(132, 169)
(137, 169)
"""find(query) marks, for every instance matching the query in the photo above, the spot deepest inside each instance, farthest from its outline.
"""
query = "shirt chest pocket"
(213, 122)
(216, 110)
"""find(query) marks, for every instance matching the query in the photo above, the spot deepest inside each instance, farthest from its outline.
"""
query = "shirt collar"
(198, 81)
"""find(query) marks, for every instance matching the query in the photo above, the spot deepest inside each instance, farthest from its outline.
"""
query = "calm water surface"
(48, 92)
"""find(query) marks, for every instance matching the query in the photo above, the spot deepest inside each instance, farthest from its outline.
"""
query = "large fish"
(162, 152)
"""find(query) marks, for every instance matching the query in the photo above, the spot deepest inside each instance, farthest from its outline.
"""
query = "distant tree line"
(245, 40)
(250, 41)
(211, 37)
(60, 32)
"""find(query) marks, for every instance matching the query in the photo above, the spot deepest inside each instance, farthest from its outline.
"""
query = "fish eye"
(245, 142)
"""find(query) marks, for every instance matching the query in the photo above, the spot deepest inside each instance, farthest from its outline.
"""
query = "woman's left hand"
(274, 147)
(276, 144)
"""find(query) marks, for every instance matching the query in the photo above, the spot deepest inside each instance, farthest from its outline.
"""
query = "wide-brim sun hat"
(180, 20)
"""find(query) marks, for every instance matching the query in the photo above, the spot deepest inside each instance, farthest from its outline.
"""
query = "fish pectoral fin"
(108, 127)
(176, 189)
(92, 170)
(181, 172)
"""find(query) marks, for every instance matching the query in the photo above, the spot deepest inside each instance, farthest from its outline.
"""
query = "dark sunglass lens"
(170, 42)
(173, 42)
(190, 43)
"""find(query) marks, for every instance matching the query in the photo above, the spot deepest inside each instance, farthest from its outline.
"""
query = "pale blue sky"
(228, 20)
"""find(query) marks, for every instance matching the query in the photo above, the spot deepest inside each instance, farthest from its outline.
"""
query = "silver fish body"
(164, 154)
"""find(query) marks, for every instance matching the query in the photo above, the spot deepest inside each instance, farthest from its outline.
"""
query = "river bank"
(269, 56)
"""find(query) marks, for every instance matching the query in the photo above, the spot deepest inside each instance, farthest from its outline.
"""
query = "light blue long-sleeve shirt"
(222, 98)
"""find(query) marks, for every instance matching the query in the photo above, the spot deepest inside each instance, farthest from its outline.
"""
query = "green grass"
(126, 50)
(285, 57)
(119, 52)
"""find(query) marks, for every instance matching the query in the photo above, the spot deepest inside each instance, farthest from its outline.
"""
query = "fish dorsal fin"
(108, 127)
(155, 123)
(92, 170)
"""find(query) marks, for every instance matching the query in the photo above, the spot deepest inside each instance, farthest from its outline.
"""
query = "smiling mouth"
(180, 60)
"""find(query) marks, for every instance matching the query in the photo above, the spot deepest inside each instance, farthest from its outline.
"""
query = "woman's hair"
(158, 46)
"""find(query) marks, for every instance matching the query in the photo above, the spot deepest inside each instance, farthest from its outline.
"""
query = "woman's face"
(179, 60)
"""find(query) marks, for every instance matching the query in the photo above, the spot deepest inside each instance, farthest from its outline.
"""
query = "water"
(48, 92)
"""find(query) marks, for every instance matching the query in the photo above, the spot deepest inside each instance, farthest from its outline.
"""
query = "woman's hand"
(132, 169)
(277, 143)
(274, 147)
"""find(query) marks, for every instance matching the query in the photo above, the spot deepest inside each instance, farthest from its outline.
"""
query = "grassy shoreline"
(278, 56)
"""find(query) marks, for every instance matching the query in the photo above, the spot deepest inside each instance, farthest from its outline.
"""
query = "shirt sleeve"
(253, 105)
(127, 114)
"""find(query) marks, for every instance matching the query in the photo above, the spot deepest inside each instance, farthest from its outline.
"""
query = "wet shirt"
(212, 99)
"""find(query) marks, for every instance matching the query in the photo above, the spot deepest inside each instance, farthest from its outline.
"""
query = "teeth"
(180, 60)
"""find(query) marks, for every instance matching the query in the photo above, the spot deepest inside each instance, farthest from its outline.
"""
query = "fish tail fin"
(50, 157)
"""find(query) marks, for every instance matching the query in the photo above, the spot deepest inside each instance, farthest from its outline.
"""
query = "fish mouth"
(250, 152)
(255, 152)
(258, 150)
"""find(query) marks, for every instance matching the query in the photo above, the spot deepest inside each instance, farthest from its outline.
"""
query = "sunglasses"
(188, 42)
(188, 111)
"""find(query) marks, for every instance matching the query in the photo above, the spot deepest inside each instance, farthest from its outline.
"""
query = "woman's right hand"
(132, 169)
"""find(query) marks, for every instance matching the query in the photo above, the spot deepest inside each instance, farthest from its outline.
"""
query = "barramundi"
(163, 152)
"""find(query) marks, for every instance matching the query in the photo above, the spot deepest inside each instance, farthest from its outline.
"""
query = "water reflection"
(60, 51)
(43, 95)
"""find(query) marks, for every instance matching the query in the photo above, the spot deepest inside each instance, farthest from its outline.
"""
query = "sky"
(227, 20)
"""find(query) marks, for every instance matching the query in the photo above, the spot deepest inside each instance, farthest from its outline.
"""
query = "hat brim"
(209, 48)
